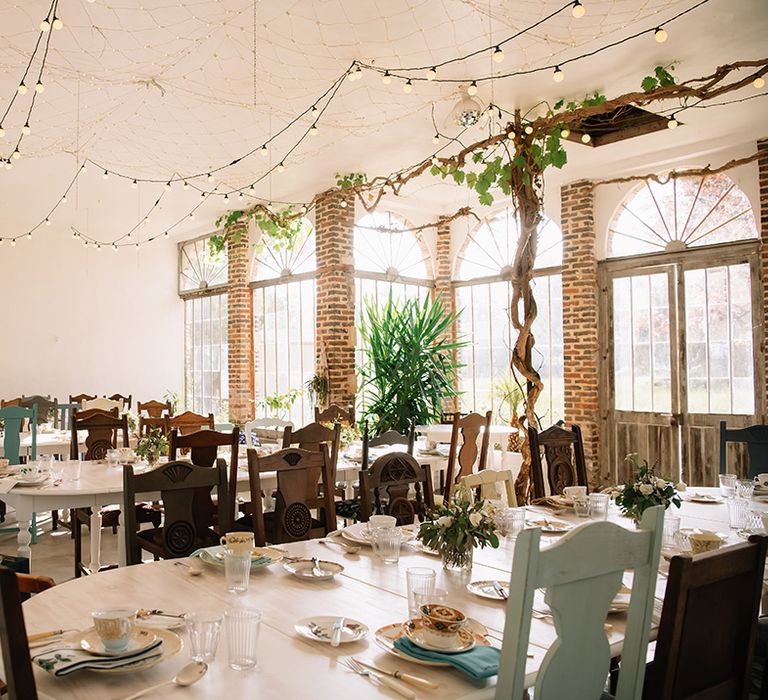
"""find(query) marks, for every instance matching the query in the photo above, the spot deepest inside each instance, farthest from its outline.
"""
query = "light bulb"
(226, 197)
(22, 89)
(29, 236)
(672, 123)
(168, 186)
(558, 76)
(2, 132)
(511, 135)
(85, 243)
(114, 247)
(498, 55)
(758, 82)
(660, 34)
(57, 23)
(528, 129)
(98, 247)
(128, 235)
(407, 86)
(358, 73)
(351, 76)
(185, 186)
(39, 87)
(45, 25)
(16, 155)
(586, 138)
(252, 188)
(209, 177)
(313, 109)
(134, 185)
(281, 167)
(165, 235)
(26, 130)
(13, 241)
(432, 73)
(386, 78)
(435, 160)
(263, 150)
(202, 195)
(191, 215)
(239, 196)
(74, 234)
(436, 138)
(565, 133)
(313, 129)
(8, 165)
(64, 199)
(47, 221)
(83, 168)
(472, 89)
(105, 176)
(343, 204)
(578, 10)
(137, 246)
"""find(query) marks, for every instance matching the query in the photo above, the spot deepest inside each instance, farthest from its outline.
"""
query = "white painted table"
(56, 442)
(441, 432)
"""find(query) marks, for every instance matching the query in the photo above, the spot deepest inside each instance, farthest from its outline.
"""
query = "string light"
(165, 235)
(45, 25)
(565, 133)
(8, 164)
(498, 55)
(586, 138)
(26, 130)
(16, 154)
(558, 76)
(47, 221)
(281, 167)
(13, 241)
(758, 83)
(105, 175)
(264, 150)
(209, 177)
(22, 89)
(436, 139)
(407, 86)
(672, 123)
(134, 185)
(313, 129)
(2, 131)
(64, 199)
(39, 87)
(386, 78)
(660, 34)
(167, 187)
(528, 129)
(185, 186)
(472, 89)
(578, 10)
(432, 73)
(29, 236)
(57, 23)
(114, 247)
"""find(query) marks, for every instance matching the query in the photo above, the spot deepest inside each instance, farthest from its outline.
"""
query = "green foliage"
(410, 365)
(662, 77)
(283, 228)
(173, 398)
(318, 389)
(279, 404)
(509, 393)
(350, 180)
(645, 489)
(151, 447)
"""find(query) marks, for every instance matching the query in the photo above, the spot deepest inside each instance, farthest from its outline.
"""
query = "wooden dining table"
(290, 666)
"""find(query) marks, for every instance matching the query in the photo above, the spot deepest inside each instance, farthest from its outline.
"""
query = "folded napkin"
(62, 662)
(480, 662)
(7, 483)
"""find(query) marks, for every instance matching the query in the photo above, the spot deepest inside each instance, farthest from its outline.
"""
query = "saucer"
(387, 636)
(319, 628)
(170, 646)
(414, 630)
(359, 533)
(703, 498)
(305, 569)
(485, 589)
(91, 642)
(549, 526)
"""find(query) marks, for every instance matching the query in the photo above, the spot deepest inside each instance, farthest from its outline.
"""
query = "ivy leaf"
(664, 76)
(559, 104)
(486, 198)
(458, 177)
(649, 83)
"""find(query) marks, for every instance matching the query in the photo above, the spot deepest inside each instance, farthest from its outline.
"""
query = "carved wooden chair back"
(185, 528)
(265, 429)
(708, 624)
(385, 488)
(312, 437)
(292, 519)
(154, 409)
(484, 484)
(79, 398)
(17, 664)
(10, 402)
(461, 459)
(13, 418)
(755, 437)
(581, 575)
(390, 437)
(564, 456)
(189, 422)
(335, 414)
(103, 404)
(126, 401)
(104, 429)
(147, 425)
(47, 409)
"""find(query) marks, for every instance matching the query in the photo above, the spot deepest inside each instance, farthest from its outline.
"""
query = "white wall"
(76, 320)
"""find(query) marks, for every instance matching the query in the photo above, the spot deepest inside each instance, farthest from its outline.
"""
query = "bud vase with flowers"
(645, 489)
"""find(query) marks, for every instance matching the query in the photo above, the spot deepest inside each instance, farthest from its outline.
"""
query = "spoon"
(316, 570)
(351, 548)
(194, 568)
(191, 673)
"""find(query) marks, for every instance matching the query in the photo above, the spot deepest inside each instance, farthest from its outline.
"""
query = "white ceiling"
(156, 88)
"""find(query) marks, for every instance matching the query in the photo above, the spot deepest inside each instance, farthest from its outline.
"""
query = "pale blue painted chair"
(13, 418)
(64, 416)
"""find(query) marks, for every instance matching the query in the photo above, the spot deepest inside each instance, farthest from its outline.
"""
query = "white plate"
(91, 642)
(304, 569)
(414, 630)
(485, 589)
(319, 628)
(210, 555)
(549, 526)
(387, 636)
(421, 547)
(170, 647)
(359, 533)
(160, 622)
(22, 480)
(703, 498)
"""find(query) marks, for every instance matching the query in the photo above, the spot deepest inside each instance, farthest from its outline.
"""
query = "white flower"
(445, 520)
(681, 486)
(475, 519)
(646, 489)
(661, 483)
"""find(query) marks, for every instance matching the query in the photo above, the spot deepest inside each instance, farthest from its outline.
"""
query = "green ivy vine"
(347, 182)
(281, 227)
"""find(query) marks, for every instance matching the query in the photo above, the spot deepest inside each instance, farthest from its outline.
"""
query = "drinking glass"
(745, 488)
(598, 506)
(45, 462)
(671, 535)
(581, 507)
(237, 570)
(203, 630)
(113, 458)
(738, 508)
(57, 469)
(438, 596)
(514, 521)
(728, 485)
(72, 470)
(419, 580)
(242, 627)
(386, 544)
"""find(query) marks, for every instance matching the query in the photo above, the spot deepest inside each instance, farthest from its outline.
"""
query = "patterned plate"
(260, 557)
(359, 533)
(414, 630)
(485, 589)
(387, 636)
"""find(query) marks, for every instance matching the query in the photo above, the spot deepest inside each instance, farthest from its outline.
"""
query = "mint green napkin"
(480, 662)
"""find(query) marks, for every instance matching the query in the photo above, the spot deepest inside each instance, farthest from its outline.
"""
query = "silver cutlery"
(161, 613)
(499, 590)
(392, 683)
(351, 548)
(338, 627)
(189, 674)
(417, 681)
(316, 570)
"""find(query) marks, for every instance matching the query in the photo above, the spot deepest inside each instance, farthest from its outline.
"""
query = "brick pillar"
(443, 288)
(335, 305)
(762, 163)
(239, 327)
(580, 323)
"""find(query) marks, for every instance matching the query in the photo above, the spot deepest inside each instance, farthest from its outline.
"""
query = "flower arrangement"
(645, 490)
(456, 528)
(151, 447)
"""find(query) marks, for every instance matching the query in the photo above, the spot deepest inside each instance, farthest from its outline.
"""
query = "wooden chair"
(189, 422)
(564, 455)
(34, 584)
(708, 624)
(63, 419)
(447, 417)
(185, 528)
(13, 418)
(47, 409)
(312, 437)
(203, 449)
(4, 403)
(292, 519)
(581, 573)
(79, 398)
(484, 483)
(265, 429)
(19, 678)
(461, 460)
(147, 424)
(104, 429)
(102, 404)
(154, 409)
(387, 438)
(125, 400)
(392, 475)
(335, 414)
(756, 439)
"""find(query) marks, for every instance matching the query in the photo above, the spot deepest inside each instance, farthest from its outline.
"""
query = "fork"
(393, 684)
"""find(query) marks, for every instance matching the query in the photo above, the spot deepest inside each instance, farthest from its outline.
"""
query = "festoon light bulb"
(578, 10)
(660, 34)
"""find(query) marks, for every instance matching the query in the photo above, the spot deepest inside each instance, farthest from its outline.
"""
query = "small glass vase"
(457, 559)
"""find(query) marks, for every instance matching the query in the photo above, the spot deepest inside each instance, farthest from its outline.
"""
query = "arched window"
(484, 293)
(284, 321)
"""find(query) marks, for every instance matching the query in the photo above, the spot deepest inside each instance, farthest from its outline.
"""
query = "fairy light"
(498, 55)
(167, 187)
(313, 129)
(407, 86)
(758, 83)
(29, 236)
(134, 184)
(45, 26)
(660, 34)
(47, 221)
(281, 167)
(672, 123)
(432, 73)
(64, 199)
(565, 133)
(22, 89)
(185, 186)
(57, 23)
(436, 139)
(209, 177)
(105, 175)
(578, 10)
(2, 131)
(16, 154)
(39, 87)
(472, 89)
(386, 78)
(586, 138)
(26, 130)
(558, 76)
(528, 129)
(263, 150)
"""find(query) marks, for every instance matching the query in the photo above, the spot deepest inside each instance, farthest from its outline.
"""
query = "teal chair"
(64, 415)
(13, 418)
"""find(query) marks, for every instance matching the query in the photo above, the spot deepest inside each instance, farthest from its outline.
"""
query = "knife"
(405, 677)
(338, 626)
(499, 590)
(44, 635)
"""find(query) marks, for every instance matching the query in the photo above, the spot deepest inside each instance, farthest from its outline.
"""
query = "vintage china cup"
(761, 480)
(441, 624)
(705, 541)
(574, 492)
(4, 464)
(115, 627)
(238, 542)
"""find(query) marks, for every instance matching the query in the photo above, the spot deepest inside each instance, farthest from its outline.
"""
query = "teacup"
(381, 521)
(126, 454)
(441, 624)
(29, 470)
(575, 492)
(705, 541)
(115, 627)
(761, 481)
(4, 464)
(238, 542)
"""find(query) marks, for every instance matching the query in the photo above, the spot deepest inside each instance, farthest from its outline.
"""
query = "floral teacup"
(441, 624)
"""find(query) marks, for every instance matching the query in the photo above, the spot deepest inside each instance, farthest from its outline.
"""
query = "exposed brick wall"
(239, 332)
(762, 164)
(580, 322)
(443, 289)
(335, 305)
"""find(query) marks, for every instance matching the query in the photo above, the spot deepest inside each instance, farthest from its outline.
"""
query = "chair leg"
(33, 529)
(72, 523)
(76, 534)
(54, 520)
